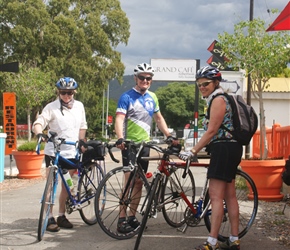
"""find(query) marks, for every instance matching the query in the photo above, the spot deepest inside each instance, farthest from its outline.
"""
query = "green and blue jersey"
(139, 110)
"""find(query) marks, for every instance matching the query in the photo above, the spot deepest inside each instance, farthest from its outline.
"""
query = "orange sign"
(9, 121)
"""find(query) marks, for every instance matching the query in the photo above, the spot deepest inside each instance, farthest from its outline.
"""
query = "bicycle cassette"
(190, 218)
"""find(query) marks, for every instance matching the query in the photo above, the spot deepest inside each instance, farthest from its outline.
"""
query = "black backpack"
(286, 173)
(245, 119)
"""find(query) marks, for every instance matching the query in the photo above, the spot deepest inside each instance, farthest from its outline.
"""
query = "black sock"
(121, 219)
(132, 217)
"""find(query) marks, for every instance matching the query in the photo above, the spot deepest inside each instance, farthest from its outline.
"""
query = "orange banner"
(9, 121)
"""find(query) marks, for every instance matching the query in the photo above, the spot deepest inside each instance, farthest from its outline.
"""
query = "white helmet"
(144, 68)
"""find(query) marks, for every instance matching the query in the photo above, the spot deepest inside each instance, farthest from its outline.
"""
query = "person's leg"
(216, 193)
(233, 207)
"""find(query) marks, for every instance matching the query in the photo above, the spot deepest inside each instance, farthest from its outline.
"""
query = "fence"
(278, 139)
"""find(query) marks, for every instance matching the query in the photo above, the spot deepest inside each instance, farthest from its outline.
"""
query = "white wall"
(276, 106)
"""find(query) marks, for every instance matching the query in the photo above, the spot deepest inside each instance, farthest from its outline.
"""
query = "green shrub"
(29, 146)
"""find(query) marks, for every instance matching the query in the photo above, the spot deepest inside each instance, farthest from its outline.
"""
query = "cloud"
(183, 29)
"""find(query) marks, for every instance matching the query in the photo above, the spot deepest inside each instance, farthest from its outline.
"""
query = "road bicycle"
(91, 169)
(201, 208)
(120, 193)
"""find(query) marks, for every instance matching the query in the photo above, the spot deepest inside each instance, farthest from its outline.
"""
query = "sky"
(184, 29)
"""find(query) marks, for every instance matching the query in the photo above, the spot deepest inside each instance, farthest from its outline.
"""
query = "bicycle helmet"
(144, 68)
(66, 83)
(209, 73)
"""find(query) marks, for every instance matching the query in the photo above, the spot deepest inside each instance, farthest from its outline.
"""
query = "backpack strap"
(209, 106)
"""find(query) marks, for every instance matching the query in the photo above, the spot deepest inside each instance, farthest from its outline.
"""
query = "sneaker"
(207, 246)
(62, 221)
(52, 225)
(230, 245)
(124, 227)
(133, 222)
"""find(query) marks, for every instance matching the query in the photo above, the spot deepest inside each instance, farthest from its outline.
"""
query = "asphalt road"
(19, 217)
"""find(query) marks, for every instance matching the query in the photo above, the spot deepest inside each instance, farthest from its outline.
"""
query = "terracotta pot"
(28, 163)
(267, 176)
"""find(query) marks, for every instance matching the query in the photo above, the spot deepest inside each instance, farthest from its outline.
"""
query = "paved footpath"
(19, 211)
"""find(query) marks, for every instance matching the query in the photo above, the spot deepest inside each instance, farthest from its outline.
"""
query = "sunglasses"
(66, 92)
(142, 78)
(203, 84)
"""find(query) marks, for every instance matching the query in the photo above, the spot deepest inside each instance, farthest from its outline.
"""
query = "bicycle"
(121, 194)
(91, 169)
(201, 208)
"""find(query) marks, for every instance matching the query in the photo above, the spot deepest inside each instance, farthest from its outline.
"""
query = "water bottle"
(68, 179)
(149, 177)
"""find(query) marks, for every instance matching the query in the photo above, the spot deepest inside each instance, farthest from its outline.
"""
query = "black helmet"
(66, 83)
(209, 73)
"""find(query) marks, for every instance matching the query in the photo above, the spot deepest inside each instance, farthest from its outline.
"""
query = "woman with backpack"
(225, 153)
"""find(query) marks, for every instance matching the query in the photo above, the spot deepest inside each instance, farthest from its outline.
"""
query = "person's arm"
(161, 123)
(82, 134)
(37, 128)
(119, 123)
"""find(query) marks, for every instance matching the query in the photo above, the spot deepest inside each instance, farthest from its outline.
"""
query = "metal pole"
(196, 102)
(103, 113)
(108, 90)
(249, 85)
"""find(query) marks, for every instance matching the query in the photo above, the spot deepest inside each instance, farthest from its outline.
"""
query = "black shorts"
(62, 164)
(224, 161)
(126, 156)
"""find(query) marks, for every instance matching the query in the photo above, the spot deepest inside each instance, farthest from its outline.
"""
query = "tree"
(176, 101)
(262, 55)
(32, 87)
(76, 38)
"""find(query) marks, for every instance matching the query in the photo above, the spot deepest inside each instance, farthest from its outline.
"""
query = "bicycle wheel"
(107, 202)
(89, 181)
(247, 207)
(150, 208)
(173, 206)
(46, 203)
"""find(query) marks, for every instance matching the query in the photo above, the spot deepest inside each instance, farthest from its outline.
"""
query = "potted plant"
(262, 55)
(28, 162)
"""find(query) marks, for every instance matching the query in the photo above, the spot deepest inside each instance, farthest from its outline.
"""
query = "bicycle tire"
(150, 209)
(107, 208)
(46, 203)
(174, 206)
(248, 208)
(90, 179)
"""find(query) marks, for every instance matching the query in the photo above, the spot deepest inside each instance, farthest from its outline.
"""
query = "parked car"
(188, 143)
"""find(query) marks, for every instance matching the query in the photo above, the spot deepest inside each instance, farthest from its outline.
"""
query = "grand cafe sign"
(174, 69)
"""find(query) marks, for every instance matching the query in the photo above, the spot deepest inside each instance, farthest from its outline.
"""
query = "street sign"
(110, 120)
(10, 67)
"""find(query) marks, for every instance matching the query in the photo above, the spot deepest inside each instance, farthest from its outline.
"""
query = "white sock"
(212, 240)
(50, 215)
(60, 214)
(233, 238)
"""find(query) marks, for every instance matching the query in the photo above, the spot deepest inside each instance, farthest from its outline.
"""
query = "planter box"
(28, 163)
(267, 176)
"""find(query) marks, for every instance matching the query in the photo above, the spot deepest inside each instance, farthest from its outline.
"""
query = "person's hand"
(120, 143)
(41, 137)
(172, 140)
(185, 155)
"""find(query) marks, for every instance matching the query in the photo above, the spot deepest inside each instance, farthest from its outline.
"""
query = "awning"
(282, 22)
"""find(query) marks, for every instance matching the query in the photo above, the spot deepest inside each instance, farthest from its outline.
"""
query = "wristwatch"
(193, 151)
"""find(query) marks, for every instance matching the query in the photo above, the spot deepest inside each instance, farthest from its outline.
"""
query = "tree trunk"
(29, 123)
(263, 137)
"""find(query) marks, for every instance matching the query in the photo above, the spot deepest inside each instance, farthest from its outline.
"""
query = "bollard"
(2, 155)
